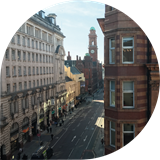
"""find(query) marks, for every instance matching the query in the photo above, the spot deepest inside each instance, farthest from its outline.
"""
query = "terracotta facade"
(131, 83)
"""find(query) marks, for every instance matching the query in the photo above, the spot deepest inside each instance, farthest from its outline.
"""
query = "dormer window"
(43, 15)
(52, 20)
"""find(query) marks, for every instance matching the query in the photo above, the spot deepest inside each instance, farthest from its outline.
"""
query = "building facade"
(131, 83)
(32, 81)
(75, 75)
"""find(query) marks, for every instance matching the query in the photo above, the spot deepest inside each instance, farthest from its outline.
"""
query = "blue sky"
(75, 20)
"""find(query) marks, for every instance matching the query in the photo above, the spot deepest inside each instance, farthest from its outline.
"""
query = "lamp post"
(38, 98)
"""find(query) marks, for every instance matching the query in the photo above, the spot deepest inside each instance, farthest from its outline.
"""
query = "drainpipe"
(148, 81)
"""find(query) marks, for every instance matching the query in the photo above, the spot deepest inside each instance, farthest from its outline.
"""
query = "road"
(80, 133)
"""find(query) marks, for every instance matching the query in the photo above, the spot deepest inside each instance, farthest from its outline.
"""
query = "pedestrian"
(102, 141)
(50, 129)
(52, 136)
(62, 121)
(47, 129)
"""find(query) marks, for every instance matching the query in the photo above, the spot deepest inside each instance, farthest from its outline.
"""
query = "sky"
(75, 20)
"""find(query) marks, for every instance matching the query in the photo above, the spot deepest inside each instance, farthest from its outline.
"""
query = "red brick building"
(90, 65)
(131, 83)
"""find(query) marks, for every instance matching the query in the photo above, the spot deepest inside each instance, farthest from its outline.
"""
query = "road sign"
(38, 134)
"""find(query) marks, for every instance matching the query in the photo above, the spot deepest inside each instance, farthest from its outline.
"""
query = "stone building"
(131, 84)
(32, 81)
(79, 80)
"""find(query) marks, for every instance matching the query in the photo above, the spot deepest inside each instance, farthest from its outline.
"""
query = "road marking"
(70, 152)
(73, 138)
(85, 138)
(59, 138)
(78, 125)
(77, 142)
(82, 134)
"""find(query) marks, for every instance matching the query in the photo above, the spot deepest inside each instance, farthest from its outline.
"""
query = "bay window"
(112, 134)
(112, 51)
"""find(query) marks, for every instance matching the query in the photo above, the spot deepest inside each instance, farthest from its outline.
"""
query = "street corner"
(88, 154)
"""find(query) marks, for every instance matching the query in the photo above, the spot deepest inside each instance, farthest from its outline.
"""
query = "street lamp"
(38, 98)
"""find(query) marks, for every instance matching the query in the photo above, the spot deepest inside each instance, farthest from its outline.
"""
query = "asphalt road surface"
(80, 133)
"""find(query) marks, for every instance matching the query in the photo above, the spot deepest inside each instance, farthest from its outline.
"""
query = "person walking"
(62, 121)
(52, 136)
(50, 129)
(47, 129)
(102, 141)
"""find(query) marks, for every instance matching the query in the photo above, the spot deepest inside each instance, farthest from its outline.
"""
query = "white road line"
(85, 138)
(59, 138)
(82, 134)
(77, 142)
(73, 138)
(70, 152)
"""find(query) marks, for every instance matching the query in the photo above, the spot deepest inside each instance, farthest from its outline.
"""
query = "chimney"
(68, 57)
(77, 57)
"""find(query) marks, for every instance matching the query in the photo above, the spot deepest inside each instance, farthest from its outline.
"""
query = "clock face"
(92, 51)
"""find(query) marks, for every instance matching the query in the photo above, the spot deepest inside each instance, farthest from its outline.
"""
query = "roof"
(67, 79)
(74, 70)
(87, 54)
(92, 28)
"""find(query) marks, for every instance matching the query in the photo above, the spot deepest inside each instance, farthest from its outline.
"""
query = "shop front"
(34, 124)
(41, 120)
(25, 130)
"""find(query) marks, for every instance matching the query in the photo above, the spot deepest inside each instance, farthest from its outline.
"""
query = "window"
(33, 71)
(112, 134)
(50, 80)
(128, 50)
(128, 94)
(44, 81)
(43, 46)
(37, 71)
(46, 48)
(20, 86)
(47, 70)
(7, 72)
(112, 93)
(32, 43)
(36, 57)
(24, 71)
(32, 57)
(19, 55)
(46, 59)
(14, 87)
(18, 39)
(12, 40)
(40, 45)
(14, 71)
(41, 82)
(24, 56)
(50, 38)
(13, 55)
(28, 42)
(24, 41)
(43, 58)
(8, 88)
(50, 70)
(29, 84)
(112, 51)
(25, 85)
(7, 54)
(33, 83)
(40, 70)
(49, 48)
(29, 71)
(128, 133)
(29, 57)
(37, 83)
(47, 80)
(19, 71)
(43, 70)
(112, 8)
(40, 58)
(36, 45)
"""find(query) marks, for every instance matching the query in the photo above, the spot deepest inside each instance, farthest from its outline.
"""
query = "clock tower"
(93, 44)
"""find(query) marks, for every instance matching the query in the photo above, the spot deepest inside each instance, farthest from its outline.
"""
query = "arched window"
(92, 43)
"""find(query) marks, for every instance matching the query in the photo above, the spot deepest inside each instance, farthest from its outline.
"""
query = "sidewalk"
(33, 146)
(98, 147)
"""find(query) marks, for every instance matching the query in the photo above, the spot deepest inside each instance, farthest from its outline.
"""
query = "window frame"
(127, 38)
(110, 49)
(110, 90)
(129, 91)
(127, 132)
(111, 129)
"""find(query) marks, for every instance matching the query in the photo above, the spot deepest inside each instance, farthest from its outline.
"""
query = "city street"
(79, 134)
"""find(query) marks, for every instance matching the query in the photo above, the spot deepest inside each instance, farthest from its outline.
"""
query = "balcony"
(3, 122)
